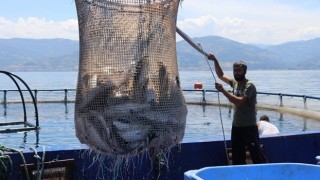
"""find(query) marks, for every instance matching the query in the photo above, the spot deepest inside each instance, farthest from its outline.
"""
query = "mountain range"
(63, 54)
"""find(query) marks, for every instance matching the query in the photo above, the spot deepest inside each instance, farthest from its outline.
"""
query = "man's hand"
(219, 87)
(236, 100)
(212, 57)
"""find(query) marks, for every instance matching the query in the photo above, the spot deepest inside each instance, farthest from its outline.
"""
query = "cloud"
(248, 31)
(38, 28)
(246, 21)
(210, 25)
(266, 22)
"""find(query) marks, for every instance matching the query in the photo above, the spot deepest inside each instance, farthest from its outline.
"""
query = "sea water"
(204, 122)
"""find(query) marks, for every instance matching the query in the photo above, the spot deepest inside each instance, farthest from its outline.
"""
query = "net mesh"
(128, 91)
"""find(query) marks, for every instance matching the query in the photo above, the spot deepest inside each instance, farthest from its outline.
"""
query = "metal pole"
(65, 96)
(203, 95)
(36, 95)
(5, 98)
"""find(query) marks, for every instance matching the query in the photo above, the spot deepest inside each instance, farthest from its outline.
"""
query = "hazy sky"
(246, 21)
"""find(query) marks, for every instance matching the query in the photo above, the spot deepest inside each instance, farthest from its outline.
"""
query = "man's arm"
(218, 69)
(236, 100)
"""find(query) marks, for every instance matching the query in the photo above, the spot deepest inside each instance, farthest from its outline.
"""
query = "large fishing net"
(129, 97)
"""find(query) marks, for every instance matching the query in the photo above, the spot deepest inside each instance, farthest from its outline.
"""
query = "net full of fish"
(129, 97)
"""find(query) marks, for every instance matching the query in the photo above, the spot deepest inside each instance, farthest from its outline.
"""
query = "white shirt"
(266, 128)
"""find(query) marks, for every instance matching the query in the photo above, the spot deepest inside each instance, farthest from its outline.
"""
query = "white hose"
(193, 44)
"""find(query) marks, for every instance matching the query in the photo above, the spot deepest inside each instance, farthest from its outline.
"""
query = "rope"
(199, 48)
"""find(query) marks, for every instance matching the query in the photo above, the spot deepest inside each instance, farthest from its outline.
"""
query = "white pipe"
(192, 43)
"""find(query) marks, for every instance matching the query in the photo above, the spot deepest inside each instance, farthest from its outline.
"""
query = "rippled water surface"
(203, 122)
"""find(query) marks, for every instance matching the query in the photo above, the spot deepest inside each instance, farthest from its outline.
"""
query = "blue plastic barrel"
(273, 171)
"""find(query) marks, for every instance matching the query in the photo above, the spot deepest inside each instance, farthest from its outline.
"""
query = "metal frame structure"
(27, 125)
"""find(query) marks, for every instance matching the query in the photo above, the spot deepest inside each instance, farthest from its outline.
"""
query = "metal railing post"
(5, 98)
(36, 95)
(281, 102)
(304, 99)
(65, 96)
(203, 95)
(305, 102)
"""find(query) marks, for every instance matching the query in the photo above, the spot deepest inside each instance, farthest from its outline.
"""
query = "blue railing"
(63, 93)
(68, 96)
(279, 96)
